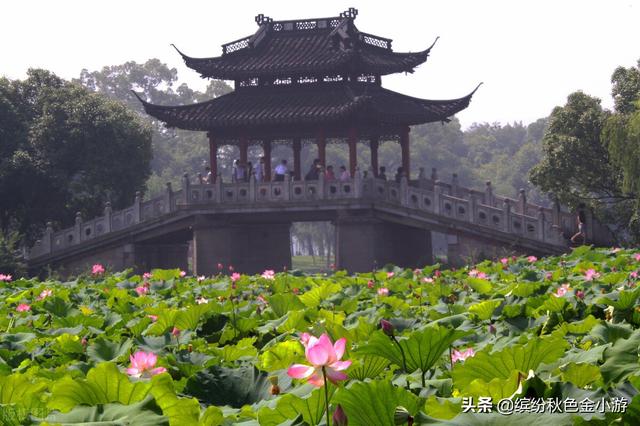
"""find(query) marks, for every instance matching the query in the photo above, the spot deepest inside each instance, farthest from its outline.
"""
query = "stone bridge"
(247, 225)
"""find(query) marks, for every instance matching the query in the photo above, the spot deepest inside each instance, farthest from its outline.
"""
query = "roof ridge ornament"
(350, 13)
(262, 19)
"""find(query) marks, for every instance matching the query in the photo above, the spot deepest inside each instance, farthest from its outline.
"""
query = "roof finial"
(351, 13)
(261, 19)
(477, 87)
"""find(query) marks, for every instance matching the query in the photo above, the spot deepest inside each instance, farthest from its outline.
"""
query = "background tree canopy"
(64, 149)
(592, 156)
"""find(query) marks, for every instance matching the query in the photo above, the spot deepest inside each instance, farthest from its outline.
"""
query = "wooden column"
(244, 148)
(322, 149)
(266, 149)
(373, 143)
(353, 155)
(297, 148)
(213, 156)
(404, 146)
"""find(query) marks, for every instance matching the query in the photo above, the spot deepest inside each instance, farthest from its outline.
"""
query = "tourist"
(399, 174)
(314, 171)
(329, 175)
(382, 174)
(344, 174)
(208, 177)
(582, 234)
(280, 171)
(239, 172)
(260, 170)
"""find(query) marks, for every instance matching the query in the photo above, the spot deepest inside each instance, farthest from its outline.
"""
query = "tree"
(64, 150)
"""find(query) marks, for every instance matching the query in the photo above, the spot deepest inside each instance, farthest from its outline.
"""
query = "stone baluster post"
(473, 204)
(137, 208)
(541, 224)
(218, 196)
(286, 187)
(321, 186)
(186, 186)
(357, 183)
(252, 187)
(488, 194)
(507, 215)
(437, 192)
(168, 198)
(77, 231)
(107, 217)
(47, 239)
(555, 213)
(522, 201)
(434, 174)
(404, 191)
(454, 184)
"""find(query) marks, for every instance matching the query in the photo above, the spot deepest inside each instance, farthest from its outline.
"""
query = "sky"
(530, 54)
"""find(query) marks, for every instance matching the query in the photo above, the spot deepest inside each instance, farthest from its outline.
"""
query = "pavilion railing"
(444, 199)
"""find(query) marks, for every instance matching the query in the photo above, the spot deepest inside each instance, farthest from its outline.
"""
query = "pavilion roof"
(322, 46)
(339, 103)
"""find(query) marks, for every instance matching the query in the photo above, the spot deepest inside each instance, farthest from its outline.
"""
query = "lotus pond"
(547, 342)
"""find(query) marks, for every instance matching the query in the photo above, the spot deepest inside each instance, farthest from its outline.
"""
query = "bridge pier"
(250, 248)
(161, 256)
(364, 242)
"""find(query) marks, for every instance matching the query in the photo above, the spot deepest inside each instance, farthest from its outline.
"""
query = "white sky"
(530, 54)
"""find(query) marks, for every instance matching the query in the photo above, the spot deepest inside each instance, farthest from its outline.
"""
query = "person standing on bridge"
(399, 174)
(383, 173)
(314, 171)
(581, 236)
(344, 174)
(329, 175)
(280, 171)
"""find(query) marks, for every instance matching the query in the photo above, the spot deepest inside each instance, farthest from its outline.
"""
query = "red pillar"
(353, 160)
(297, 147)
(322, 149)
(244, 148)
(213, 156)
(404, 145)
(373, 143)
(266, 148)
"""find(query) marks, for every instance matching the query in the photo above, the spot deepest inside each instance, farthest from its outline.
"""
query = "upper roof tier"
(302, 47)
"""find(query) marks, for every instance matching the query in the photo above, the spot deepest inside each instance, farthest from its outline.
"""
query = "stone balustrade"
(447, 200)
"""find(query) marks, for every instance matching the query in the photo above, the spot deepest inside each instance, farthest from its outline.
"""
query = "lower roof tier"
(340, 104)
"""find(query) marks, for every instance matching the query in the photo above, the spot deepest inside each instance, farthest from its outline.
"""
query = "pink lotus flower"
(183, 274)
(383, 291)
(417, 271)
(154, 318)
(548, 275)
(615, 249)
(44, 294)
(324, 357)
(23, 307)
(332, 266)
(202, 301)
(634, 274)
(532, 259)
(97, 269)
(295, 290)
(231, 268)
(175, 331)
(437, 273)
(146, 275)
(142, 290)
(427, 280)
(591, 275)
(142, 364)
(562, 290)
(220, 266)
(269, 274)
(5, 278)
(370, 284)
(637, 257)
(456, 355)
(504, 260)
(580, 294)
(477, 274)
(235, 277)
(262, 300)
(390, 275)
(201, 278)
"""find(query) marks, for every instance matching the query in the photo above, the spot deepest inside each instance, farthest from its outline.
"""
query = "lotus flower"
(634, 274)
(5, 278)
(44, 294)
(235, 277)
(146, 275)
(97, 269)
(231, 268)
(504, 260)
(142, 364)
(456, 355)
(532, 259)
(637, 257)
(591, 275)
(383, 291)
(142, 290)
(562, 290)
(548, 275)
(477, 274)
(175, 331)
(220, 266)
(269, 274)
(202, 300)
(339, 417)
(324, 358)
(154, 318)
(390, 275)
(23, 307)
(370, 284)
(183, 274)
(387, 327)
(427, 280)
(580, 294)
(201, 278)
(417, 271)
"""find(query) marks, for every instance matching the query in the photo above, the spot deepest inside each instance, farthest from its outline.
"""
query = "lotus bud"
(402, 416)
(275, 389)
(492, 329)
(339, 417)
(387, 327)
